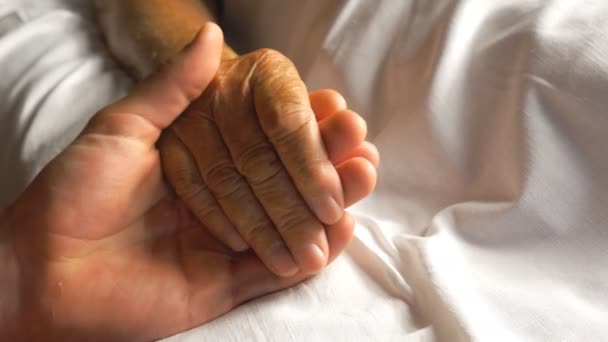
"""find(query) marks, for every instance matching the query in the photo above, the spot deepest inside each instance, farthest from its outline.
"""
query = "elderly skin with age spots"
(248, 157)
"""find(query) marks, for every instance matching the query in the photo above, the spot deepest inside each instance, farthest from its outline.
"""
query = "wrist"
(9, 273)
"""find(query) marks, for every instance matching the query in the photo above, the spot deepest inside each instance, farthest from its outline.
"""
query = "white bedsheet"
(490, 221)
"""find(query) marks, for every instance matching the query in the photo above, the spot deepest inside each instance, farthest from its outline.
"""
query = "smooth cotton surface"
(490, 221)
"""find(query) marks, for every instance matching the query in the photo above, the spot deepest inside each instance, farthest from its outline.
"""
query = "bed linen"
(490, 221)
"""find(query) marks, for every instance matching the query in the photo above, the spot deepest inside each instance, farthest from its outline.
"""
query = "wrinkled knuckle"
(296, 113)
(198, 199)
(259, 164)
(204, 211)
(271, 62)
(185, 181)
(295, 125)
(313, 172)
(287, 117)
(301, 147)
(294, 221)
(190, 190)
(224, 179)
(256, 233)
(268, 55)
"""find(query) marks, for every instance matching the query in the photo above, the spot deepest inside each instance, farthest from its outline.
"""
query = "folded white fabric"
(56, 73)
(490, 216)
(490, 220)
(494, 150)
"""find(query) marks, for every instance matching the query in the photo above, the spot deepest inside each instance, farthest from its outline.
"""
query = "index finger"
(286, 117)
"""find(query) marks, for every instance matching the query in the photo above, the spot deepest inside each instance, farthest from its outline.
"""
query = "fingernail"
(185, 50)
(315, 257)
(189, 46)
(202, 31)
(282, 262)
(328, 210)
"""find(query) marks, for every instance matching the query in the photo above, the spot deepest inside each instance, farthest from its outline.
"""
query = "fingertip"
(371, 153)
(211, 28)
(366, 150)
(311, 258)
(210, 35)
(339, 235)
(342, 132)
(328, 209)
(326, 102)
(199, 61)
(281, 261)
(359, 177)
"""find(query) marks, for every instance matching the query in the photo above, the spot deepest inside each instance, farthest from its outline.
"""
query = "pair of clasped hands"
(211, 184)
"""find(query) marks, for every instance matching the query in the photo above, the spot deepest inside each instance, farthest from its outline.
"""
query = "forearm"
(9, 283)
(145, 34)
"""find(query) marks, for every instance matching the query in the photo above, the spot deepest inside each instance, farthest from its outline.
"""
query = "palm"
(152, 269)
(110, 251)
(120, 253)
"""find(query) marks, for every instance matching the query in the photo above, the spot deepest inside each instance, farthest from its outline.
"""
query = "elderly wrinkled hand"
(248, 159)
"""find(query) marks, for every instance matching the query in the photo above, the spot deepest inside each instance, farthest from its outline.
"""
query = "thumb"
(154, 103)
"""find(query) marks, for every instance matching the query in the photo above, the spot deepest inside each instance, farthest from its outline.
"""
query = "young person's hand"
(98, 247)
